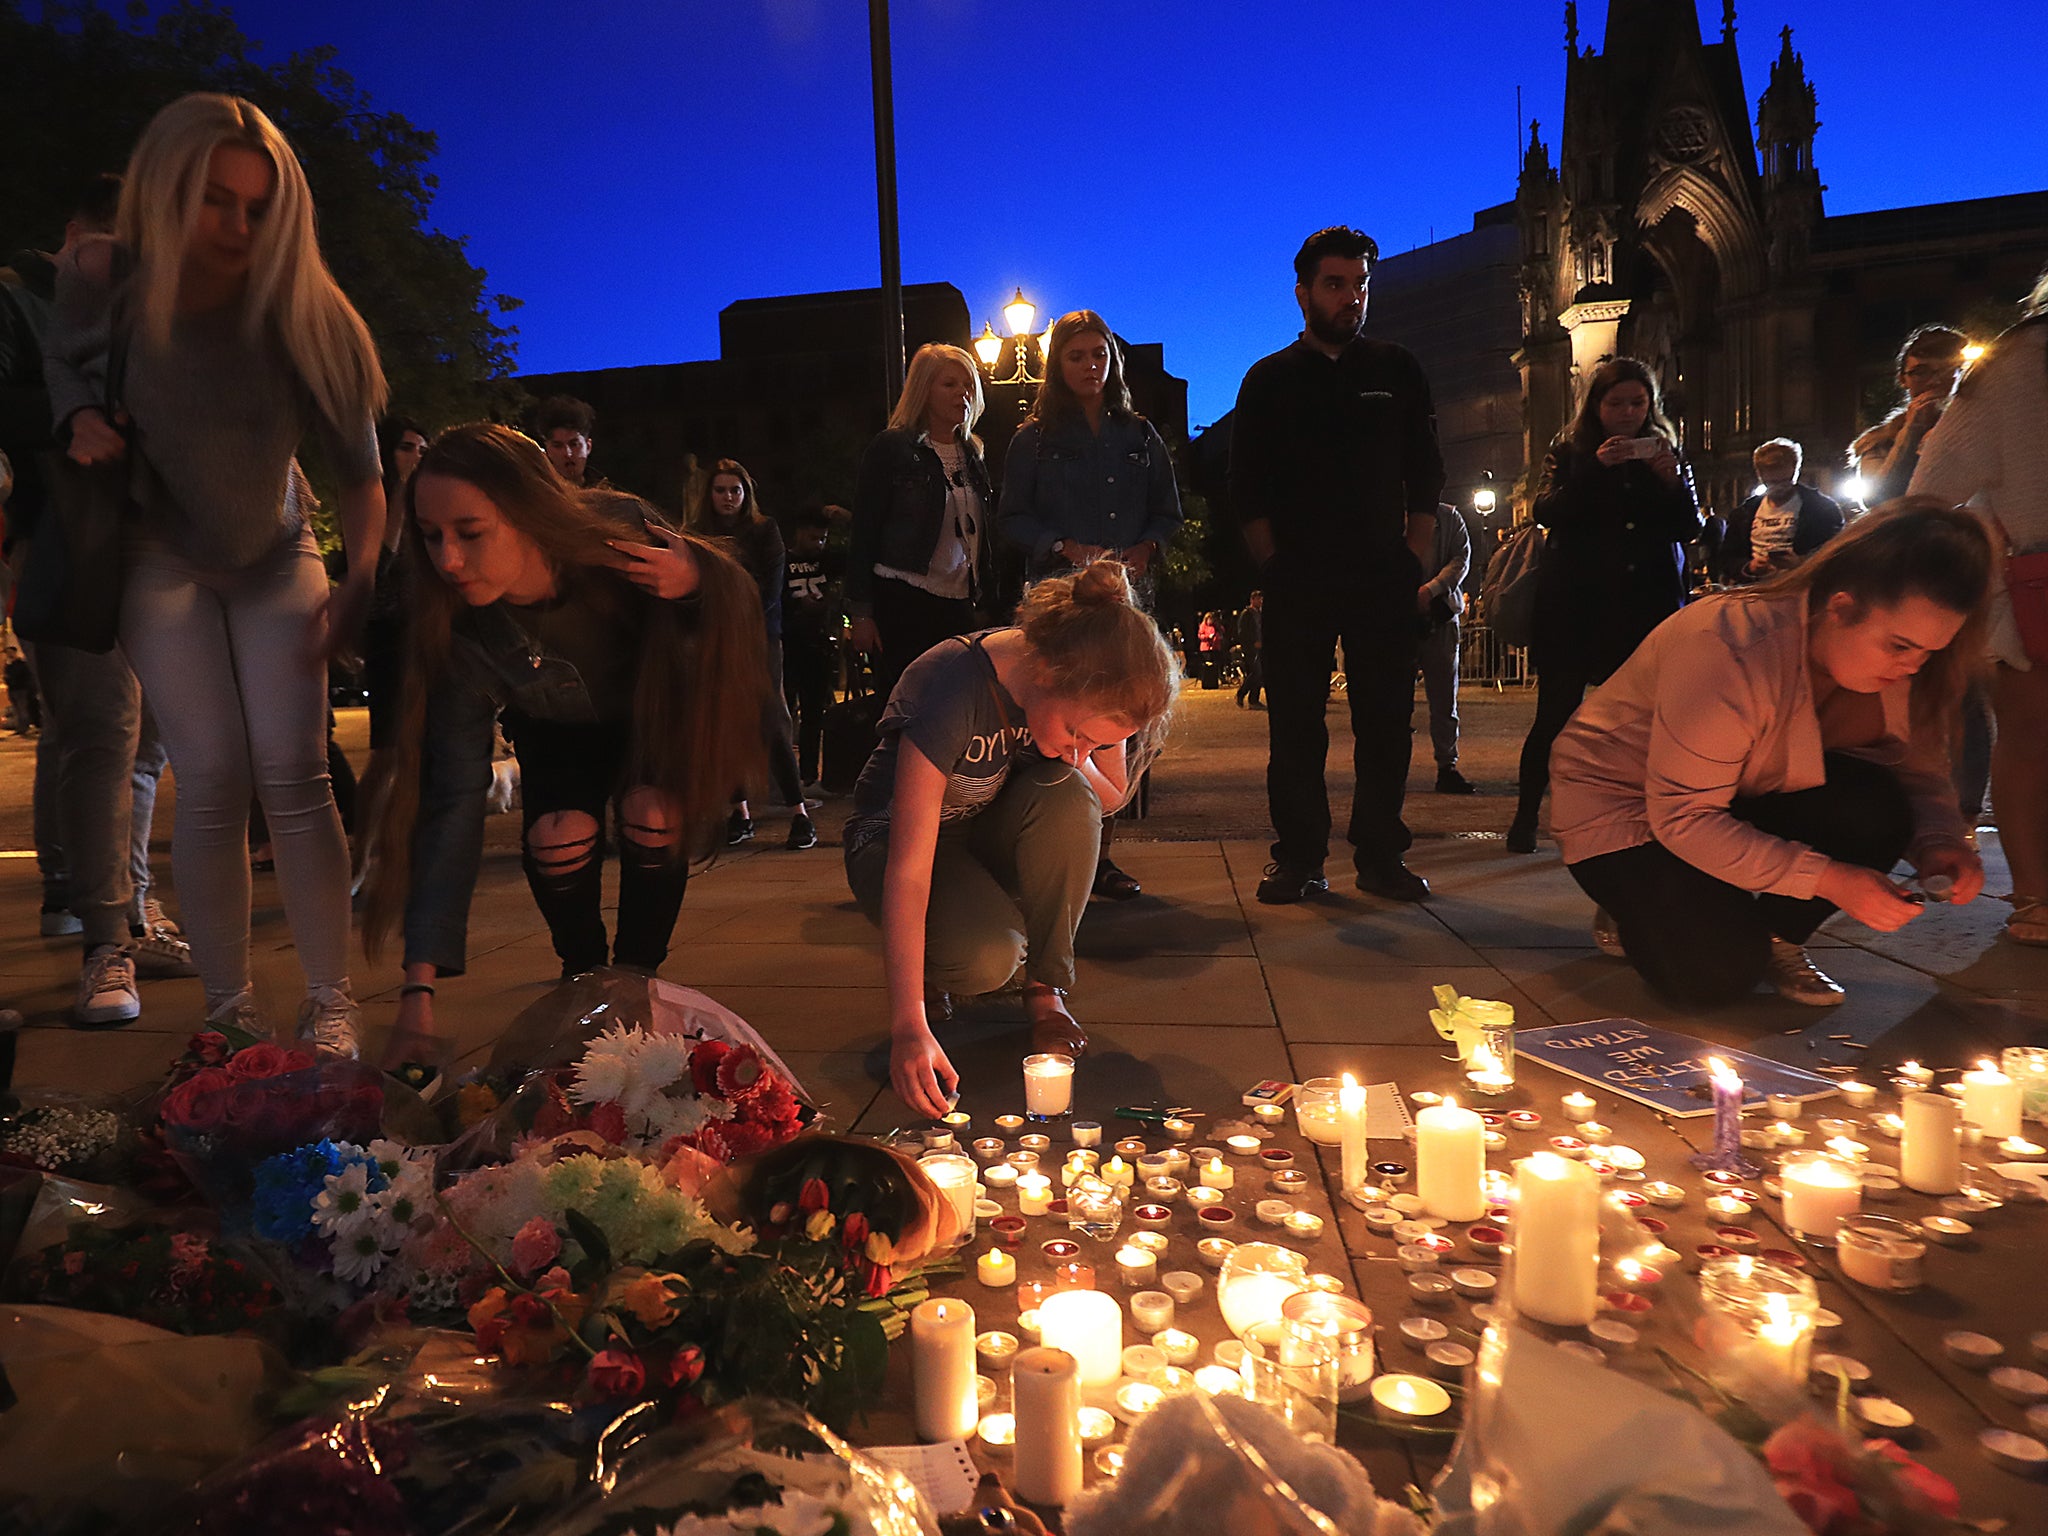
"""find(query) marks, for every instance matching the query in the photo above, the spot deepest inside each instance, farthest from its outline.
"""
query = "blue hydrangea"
(281, 1205)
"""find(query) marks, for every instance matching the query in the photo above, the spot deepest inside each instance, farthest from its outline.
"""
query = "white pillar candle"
(1089, 1326)
(954, 1175)
(1819, 1192)
(1034, 1194)
(1556, 1236)
(942, 1369)
(1351, 1132)
(1931, 1147)
(996, 1269)
(1048, 1086)
(1991, 1101)
(1045, 1385)
(1450, 1162)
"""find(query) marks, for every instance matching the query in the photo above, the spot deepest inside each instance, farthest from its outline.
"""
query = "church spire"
(1727, 21)
(1571, 29)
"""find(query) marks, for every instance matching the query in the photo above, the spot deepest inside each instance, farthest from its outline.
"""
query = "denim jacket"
(899, 509)
(1115, 489)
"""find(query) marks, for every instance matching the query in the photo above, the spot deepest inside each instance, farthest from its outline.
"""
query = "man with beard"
(1334, 477)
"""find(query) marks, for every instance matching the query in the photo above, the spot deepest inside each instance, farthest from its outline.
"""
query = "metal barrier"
(1482, 658)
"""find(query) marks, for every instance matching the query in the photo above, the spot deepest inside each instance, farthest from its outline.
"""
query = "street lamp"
(988, 346)
(1018, 315)
(1483, 499)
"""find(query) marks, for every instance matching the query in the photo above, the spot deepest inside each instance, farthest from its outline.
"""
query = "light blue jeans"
(242, 703)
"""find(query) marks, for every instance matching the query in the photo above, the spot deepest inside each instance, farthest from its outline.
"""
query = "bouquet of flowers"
(180, 1281)
(64, 1133)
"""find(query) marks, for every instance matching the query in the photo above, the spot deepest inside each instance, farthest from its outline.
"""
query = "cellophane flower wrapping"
(750, 1466)
(1222, 1466)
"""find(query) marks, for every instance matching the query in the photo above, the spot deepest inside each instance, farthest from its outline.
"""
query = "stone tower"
(1659, 237)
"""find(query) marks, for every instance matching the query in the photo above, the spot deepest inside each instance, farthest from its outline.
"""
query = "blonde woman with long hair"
(921, 554)
(627, 663)
(239, 345)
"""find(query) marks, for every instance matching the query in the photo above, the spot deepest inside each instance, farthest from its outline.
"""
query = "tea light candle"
(1162, 1190)
(1153, 1216)
(1217, 1174)
(1474, 1284)
(1117, 1173)
(1392, 1174)
(1154, 1165)
(996, 1269)
(1848, 1149)
(1177, 1128)
(1008, 1125)
(1328, 1284)
(942, 1368)
(1135, 1399)
(2014, 1451)
(1274, 1158)
(2021, 1150)
(1594, 1131)
(1179, 1347)
(1269, 1114)
(1382, 1218)
(1213, 1251)
(1291, 1183)
(2016, 1384)
(1880, 1187)
(1972, 1351)
(1912, 1072)
(1151, 1311)
(997, 1429)
(1219, 1381)
(1661, 1193)
(1569, 1146)
(1183, 1285)
(1023, 1162)
(1408, 1399)
(1136, 1267)
(1152, 1242)
(1414, 1258)
(1008, 1230)
(996, 1349)
(1305, 1226)
(1635, 1275)
(1579, 1106)
(1142, 1362)
(1243, 1146)
(1273, 1212)
(1612, 1336)
(988, 1148)
(1857, 1095)
(986, 1210)
(1448, 1362)
(999, 1176)
(1027, 1322)
(1202, 1197)
(1947, 1230)
(1431, 1289)
(1086, 1133)
(1034, 1194)
(1035, 1142)
(1486, 1238)
(1787, 1134)
(1991, 1101)
(1450, 1159)
(1727, 1209)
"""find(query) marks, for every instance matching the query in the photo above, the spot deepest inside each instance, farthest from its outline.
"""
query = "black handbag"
(70, 588)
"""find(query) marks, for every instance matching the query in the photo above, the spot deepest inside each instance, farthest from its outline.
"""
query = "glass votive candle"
(1136, 1267)
(1095, 1210)
(996, 1349)
(1347, 1324)
(1183, 1285)
(1048, 1086)
(953, 1174)
(1881, 1253)
(1757, 1321)
(1151, 1312)
(1180, 1347)
(1819, 1191)
(1316, 1110)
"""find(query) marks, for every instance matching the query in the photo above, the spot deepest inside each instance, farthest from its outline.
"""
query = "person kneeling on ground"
(976, 822)
(629, 662)
(1766, 756)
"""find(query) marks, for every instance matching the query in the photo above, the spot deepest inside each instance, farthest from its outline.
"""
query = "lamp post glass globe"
(1019, 313)
(988, 346)
(1483, 501)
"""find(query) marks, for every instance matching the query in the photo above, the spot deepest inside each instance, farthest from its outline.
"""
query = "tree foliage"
(78, 85)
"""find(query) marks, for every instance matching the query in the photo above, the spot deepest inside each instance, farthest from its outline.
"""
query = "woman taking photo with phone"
(919, 560)
(975, 824)
(1766, 756)
(213, 314)
(627, 661)
(1619, 505)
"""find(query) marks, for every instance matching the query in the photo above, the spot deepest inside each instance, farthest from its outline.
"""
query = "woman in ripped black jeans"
(628, 661)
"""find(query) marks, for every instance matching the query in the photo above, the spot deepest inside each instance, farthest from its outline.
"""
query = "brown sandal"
(1053, 1030)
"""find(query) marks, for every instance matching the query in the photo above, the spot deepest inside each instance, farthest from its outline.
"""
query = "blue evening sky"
(627, 167)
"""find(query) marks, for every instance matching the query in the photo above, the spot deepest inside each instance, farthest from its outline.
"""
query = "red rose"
(617, 1373)
(683, 1367)
(1805, 1459)
(1931, 1488)
(210, 1046)
(248, 1104)
(200, 1102)
(263, 1059)
(609, 1121)
(529, 1311)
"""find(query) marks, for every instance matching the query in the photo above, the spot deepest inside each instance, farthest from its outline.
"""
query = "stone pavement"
(1193, 991)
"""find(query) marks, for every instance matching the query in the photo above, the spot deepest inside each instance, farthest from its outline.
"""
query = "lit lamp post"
(1018, 315)
(1483, 499)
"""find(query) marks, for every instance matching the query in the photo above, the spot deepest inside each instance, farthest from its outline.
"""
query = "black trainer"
(802, 834)
(1522, 835)
(1451, 782)
(1286, 883)
(738, 829)
(1393, 881)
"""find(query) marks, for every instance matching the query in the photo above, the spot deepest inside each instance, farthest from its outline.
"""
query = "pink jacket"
(1716, 703)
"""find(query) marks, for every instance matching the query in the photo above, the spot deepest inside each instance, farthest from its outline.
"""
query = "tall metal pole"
(885, 200)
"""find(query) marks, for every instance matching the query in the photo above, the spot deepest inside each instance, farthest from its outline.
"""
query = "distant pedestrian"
(1251, 643)
(1335, 475)
(239, 344)
(1619, 505)
(1087, 477)
(1886, 457)
(920, 561)
(1442, 600)
(1210, 636)
(1782, 523)
(567, 429)
(628, 661)
(810, 634)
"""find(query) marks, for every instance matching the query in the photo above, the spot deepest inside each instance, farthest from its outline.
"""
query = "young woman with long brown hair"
(1767, 755)
(975, 824)
(1619, 504)
(239, 344)
(626, 659)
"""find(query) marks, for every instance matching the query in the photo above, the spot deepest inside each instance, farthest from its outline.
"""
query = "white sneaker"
(154, 916)
(1607, 934)
(60, 924)
(330, 1022)
(1794, 977)
(106, 988)
(160, 953)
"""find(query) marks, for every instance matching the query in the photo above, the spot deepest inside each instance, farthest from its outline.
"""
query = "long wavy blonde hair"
(291, 293)
(917, 389)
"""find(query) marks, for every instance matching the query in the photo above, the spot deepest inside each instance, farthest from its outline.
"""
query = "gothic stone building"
(1667, 232)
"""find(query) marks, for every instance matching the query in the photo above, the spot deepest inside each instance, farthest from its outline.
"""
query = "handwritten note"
(1659, 1067)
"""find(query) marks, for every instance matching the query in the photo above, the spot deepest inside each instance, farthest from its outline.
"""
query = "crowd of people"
(1725, 770)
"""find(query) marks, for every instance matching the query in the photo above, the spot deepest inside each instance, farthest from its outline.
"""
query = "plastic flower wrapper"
(749, 1466)
(1463, 1020)
(85, 1136)
(1222, 1466)
(1554, 1444)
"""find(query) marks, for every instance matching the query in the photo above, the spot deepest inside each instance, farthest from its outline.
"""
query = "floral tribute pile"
(649, 1227)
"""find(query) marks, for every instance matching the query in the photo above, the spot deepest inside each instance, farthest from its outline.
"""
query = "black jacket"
(899, 509)
(1820, 519)
(1612, 568)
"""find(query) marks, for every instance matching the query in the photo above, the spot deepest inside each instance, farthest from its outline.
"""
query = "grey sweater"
(218, 417)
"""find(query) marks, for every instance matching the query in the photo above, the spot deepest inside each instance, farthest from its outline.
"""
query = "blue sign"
(1659, 1067)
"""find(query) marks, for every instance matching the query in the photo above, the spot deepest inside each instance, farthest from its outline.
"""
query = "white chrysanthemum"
(358, 1256)
(667, 1116)
(343, 1206)
(663, 1060)
(606, 1071)
(389, 1156)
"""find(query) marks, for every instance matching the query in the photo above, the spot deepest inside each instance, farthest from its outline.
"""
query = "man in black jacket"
(1781, 524)
(1334, 478)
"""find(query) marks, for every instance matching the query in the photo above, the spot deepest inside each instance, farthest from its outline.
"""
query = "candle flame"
(1911, 1068)
(1350, 1081)
(1450, 1101)
(1628, 1269)
(1724, 1075)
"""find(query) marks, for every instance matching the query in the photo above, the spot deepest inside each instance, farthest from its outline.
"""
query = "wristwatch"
(1059, 546)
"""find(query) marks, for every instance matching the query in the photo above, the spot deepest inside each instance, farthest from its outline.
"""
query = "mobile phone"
(1644, 447)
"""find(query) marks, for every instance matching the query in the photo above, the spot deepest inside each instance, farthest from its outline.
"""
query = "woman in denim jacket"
(1087, 477)
(919, 562)
(628, 662)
